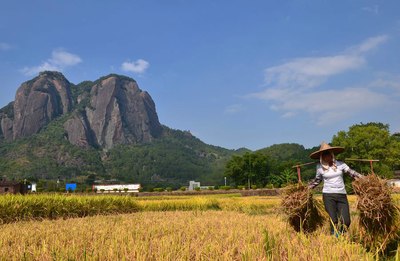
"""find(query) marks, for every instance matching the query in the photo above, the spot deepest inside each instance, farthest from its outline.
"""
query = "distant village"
(26, 187)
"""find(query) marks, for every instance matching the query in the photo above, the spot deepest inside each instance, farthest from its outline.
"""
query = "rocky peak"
(121, 113)
(40, 100)
(112, 110)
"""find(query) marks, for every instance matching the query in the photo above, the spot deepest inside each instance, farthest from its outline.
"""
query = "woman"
(333, 193)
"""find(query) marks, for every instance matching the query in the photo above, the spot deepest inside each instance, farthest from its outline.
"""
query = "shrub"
(183, 188)
(197, 188)
(269, 186)
(169, 189)
(253, 186)
(158, 189)
(211, 188)
(241, 187)
(225, 187)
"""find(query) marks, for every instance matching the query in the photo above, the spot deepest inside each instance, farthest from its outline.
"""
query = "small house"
(12, 187)
(193, 185)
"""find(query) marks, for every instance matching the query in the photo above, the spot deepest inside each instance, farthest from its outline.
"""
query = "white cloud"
(235, 108)
(58, 62)
(296, 86)
(371, 43)
(138, 66)
(325, 110)
(62, 58)
(5, 46)
(311, 71)
(45, 66)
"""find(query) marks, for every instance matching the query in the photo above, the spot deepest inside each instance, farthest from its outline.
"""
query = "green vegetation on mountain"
(178, 157)
(171, 160)
(174, 159)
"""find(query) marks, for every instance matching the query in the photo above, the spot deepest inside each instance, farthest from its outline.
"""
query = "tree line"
(273, 166)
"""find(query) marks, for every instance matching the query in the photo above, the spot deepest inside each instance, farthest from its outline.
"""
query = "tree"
(284, 178)
(235, 169)
(90, 179)
(396, 136)
(370, 141)
(251, 168)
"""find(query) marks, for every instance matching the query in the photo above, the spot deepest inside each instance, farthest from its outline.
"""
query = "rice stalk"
(304, 213)
(379, 216)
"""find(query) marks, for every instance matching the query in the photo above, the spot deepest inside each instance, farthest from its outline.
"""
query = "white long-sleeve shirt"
(333, 179)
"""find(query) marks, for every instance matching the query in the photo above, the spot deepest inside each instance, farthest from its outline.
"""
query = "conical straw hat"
(326, 147)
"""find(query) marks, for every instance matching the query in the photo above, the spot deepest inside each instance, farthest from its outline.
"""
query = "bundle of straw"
(379, 215)
(303, 211)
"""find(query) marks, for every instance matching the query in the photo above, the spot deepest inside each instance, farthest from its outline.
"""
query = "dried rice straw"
(379, 216)
(304, 212)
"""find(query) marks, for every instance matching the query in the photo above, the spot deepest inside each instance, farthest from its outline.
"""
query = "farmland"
(215, 227)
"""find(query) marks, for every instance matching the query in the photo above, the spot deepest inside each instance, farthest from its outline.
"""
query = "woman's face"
(327, 156)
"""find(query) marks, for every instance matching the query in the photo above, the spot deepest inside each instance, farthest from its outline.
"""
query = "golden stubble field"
(166, 228)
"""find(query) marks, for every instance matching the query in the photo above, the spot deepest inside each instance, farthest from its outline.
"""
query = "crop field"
(217, 227)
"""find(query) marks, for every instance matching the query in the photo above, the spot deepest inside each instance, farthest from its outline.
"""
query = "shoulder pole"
(298, 169)
(365, 160)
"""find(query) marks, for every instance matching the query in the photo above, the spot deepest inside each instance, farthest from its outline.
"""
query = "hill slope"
(107, 129)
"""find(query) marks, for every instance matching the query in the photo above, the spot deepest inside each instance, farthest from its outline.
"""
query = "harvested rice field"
(213, 228)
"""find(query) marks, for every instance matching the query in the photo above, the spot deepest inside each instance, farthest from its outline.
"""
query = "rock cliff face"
(112, 111)
(6, 122)
(79, 132)
(120, 113)
(39, 101)
(7, 128)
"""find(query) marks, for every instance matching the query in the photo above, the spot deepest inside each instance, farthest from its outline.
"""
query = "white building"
(116, 188)
(193, 184)
(33, 187)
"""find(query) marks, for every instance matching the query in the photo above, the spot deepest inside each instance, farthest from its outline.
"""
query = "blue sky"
(234, 73)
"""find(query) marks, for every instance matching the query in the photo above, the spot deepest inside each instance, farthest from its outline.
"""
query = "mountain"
(107, 129)
(115, 111)
(287, 151)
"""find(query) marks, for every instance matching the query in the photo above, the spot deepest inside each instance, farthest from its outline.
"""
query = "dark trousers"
(337, 207)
